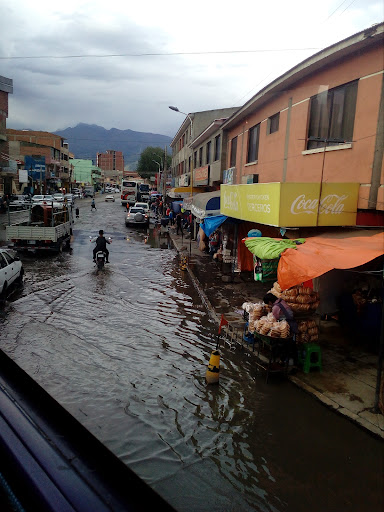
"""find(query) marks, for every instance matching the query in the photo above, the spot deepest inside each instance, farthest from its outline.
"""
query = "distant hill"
(85, 140)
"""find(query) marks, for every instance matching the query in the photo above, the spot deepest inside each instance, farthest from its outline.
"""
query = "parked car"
(37, 198)
(19, 202)
(69, 198)
(109, 198)
(11, 271)
(144, 206)
(137, 216)
(58, 197)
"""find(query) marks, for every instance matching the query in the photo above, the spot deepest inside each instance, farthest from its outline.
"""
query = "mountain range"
(86, 140)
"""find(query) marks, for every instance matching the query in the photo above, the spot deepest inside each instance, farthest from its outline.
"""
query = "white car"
(58, 197)
(20, 203)
(47, 199)
(69, 198)
(11, 271)
(109, 198)
(37, 198)
(144, 206)
(137, 216)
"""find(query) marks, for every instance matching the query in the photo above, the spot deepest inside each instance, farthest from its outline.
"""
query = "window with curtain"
(332, 116)
(232, 162)
(253, 143)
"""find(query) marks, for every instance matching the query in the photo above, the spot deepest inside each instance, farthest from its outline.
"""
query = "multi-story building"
(8, 168)
(307, 150)
(112, 164)
(44, 155)
(183, 149)
(86, 173)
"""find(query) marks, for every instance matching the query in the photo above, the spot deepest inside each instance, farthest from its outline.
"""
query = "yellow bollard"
(213, 372)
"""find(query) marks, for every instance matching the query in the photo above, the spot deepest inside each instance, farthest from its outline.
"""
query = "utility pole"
(165, 170)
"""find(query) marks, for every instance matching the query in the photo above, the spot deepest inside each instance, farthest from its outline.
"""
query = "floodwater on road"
(126, 351)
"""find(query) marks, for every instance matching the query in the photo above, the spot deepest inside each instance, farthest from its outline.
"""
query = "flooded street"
(126, 350)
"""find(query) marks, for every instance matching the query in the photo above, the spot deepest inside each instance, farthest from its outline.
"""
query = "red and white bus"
(128, 191)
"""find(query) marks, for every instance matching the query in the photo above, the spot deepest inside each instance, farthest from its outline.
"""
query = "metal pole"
(379, 362)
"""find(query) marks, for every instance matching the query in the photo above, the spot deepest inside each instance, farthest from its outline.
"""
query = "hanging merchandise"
(258, 270)
(265, 270)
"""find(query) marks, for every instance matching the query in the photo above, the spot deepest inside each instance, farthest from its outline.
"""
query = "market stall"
(315, 260)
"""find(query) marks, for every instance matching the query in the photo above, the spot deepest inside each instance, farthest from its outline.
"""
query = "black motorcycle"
(100, 259)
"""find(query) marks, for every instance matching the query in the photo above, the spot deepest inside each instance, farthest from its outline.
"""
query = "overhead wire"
(154, 54)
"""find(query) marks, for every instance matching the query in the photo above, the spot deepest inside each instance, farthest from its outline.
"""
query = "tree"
(147, 165)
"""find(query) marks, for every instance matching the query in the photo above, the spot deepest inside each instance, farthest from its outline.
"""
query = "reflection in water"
(126, 351)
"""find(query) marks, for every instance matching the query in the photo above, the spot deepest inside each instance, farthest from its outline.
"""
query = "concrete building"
(8, 168)
(112, 164)
(182, 152)
(209, 155)
(46, 158)
(307, 150)
(86, 173)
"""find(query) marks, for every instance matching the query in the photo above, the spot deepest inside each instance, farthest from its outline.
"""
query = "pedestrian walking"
(93, 205)
(77, 213)
(179, 223)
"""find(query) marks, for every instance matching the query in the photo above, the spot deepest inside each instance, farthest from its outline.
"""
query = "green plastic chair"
(310, 357)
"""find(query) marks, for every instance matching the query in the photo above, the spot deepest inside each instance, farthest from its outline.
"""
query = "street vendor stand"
(272, 348)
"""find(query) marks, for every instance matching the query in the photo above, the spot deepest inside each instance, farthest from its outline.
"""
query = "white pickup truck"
(42, 228)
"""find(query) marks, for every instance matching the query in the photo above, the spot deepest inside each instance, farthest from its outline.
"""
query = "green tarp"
(267, 248)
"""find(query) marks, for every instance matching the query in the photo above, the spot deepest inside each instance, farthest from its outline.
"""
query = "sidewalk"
(348, 379)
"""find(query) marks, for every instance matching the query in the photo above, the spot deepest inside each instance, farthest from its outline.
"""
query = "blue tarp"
(210, 224)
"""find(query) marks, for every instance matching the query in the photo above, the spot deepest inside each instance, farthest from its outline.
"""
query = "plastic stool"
(310, 357)
(248, 337)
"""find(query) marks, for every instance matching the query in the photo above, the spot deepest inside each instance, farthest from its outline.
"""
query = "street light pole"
(175, 109)
(159, 164)
(192, 234)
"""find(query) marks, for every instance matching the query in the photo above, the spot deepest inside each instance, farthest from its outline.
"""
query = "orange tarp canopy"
(320, 254)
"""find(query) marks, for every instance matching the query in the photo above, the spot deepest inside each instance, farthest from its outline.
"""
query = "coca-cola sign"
(292, 204)
(333, 204)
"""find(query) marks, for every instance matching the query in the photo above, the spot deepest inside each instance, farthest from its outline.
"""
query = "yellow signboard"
(292, 204)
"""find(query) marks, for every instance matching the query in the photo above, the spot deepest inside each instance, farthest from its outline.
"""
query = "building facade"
(112, 164)
(85, 173)
(45, 156)
(182, 151)
(307, 150)
(8, 168)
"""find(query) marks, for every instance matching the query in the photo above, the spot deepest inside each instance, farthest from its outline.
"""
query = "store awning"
(320, 254)
(206, 204)
(210, 224)
(181, 192)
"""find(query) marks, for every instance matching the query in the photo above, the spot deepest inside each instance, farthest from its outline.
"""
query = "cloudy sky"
(120, 64)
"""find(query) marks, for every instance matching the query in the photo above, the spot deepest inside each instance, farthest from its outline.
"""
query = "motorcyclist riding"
(101, 245)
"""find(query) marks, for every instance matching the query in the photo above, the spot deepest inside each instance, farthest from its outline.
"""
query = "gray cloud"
(130, 92)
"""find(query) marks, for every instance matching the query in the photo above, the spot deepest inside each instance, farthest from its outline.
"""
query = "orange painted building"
(321, 122)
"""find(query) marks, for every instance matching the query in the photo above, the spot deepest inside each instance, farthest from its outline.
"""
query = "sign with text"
(23, 176)
(228, 175)
(35, 166)
(292, 204)
(201, 176)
